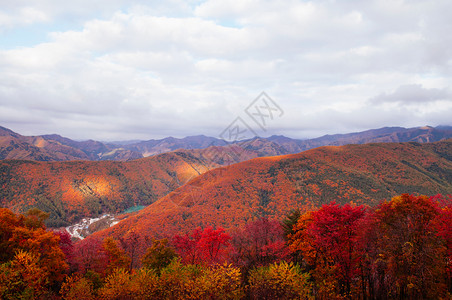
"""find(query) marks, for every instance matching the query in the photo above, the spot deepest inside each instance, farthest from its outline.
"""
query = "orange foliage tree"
(76, 287)
(116, 258)
(23, 277)
(26, 247)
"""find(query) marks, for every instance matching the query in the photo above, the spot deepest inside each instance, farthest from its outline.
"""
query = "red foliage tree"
(259, 243)
(186, 246)
(66, 244)
(408, 256)
(444, 227)
(133, 244)
(334, 230)
(89, 255)
(202, 246)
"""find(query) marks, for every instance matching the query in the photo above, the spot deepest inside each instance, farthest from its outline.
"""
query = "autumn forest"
(367, 221)
(399, 249)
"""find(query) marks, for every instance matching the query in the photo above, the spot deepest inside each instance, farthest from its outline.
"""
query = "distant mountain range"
(273, 186)
(57, 148)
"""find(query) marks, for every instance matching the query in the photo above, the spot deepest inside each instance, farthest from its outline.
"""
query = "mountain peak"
(8, 132)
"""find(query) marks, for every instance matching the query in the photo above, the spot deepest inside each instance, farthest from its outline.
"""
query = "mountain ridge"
(53, 147)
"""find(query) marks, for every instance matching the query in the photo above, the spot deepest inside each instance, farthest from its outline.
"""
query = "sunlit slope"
(70, 190)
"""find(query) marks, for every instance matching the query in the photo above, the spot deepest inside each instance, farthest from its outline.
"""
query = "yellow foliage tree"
(179, 281)
(279, 281)
(23, 278)
(223, 282)
(147, 283)
(118, 285)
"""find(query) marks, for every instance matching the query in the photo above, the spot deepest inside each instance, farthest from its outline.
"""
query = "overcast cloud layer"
(116, 70)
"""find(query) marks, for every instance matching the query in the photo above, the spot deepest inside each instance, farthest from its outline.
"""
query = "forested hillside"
(272, 186)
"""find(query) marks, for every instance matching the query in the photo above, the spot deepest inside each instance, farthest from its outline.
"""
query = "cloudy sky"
(117, 69)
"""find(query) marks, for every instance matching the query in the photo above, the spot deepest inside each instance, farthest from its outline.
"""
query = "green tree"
(159, 255)
(289, 222)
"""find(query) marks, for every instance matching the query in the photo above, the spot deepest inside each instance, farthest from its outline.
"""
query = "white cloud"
(184, 68)
(414, 93)
(23, 16)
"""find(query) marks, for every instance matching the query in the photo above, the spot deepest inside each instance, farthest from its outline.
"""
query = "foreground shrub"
(223, 282)
(279, 281)
(176, 281)
(179, 281)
